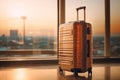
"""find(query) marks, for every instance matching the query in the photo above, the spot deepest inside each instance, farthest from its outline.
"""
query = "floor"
(50, 72)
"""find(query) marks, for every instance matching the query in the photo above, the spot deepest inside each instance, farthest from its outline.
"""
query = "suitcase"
(75, 46)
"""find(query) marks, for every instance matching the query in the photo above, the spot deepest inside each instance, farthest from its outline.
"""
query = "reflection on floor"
(51, 72)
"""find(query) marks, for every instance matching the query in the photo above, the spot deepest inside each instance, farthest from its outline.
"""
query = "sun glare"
(18, 12)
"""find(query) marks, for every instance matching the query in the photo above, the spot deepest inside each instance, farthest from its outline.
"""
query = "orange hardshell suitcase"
(75, 46)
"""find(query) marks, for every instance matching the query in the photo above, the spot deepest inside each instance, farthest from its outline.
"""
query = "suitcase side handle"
(79, 8)
(88, 48)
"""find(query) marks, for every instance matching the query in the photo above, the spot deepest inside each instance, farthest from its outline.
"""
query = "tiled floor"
(50, 72)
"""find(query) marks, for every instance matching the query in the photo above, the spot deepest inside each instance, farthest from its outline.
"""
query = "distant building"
(3, 40)
(14, 35)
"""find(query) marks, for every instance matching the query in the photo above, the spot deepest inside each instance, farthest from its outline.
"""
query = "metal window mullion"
(61, 18)
(107, 28)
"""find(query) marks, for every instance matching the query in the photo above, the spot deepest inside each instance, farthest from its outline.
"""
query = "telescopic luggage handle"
(79, 8)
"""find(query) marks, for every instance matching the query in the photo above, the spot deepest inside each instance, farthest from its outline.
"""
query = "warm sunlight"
(17, 13)
(20, 74)
(37, 14)
(16, 9)
(43, 19)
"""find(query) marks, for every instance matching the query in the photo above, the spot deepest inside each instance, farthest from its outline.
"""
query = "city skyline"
(42, 19)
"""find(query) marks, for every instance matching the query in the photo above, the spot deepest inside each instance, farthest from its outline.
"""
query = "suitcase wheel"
(60, 70)
(75, 74)
(76, 71)
(90, 72)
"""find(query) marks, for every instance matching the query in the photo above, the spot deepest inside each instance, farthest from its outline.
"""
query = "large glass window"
(95, 15)
(28, 28)
(115, 28)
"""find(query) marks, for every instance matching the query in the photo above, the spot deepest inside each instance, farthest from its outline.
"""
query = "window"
(94, 15)
(28, 28)
(115, 30)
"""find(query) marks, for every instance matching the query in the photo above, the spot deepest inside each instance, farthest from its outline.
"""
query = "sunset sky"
(95, 14)
(42, 15)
